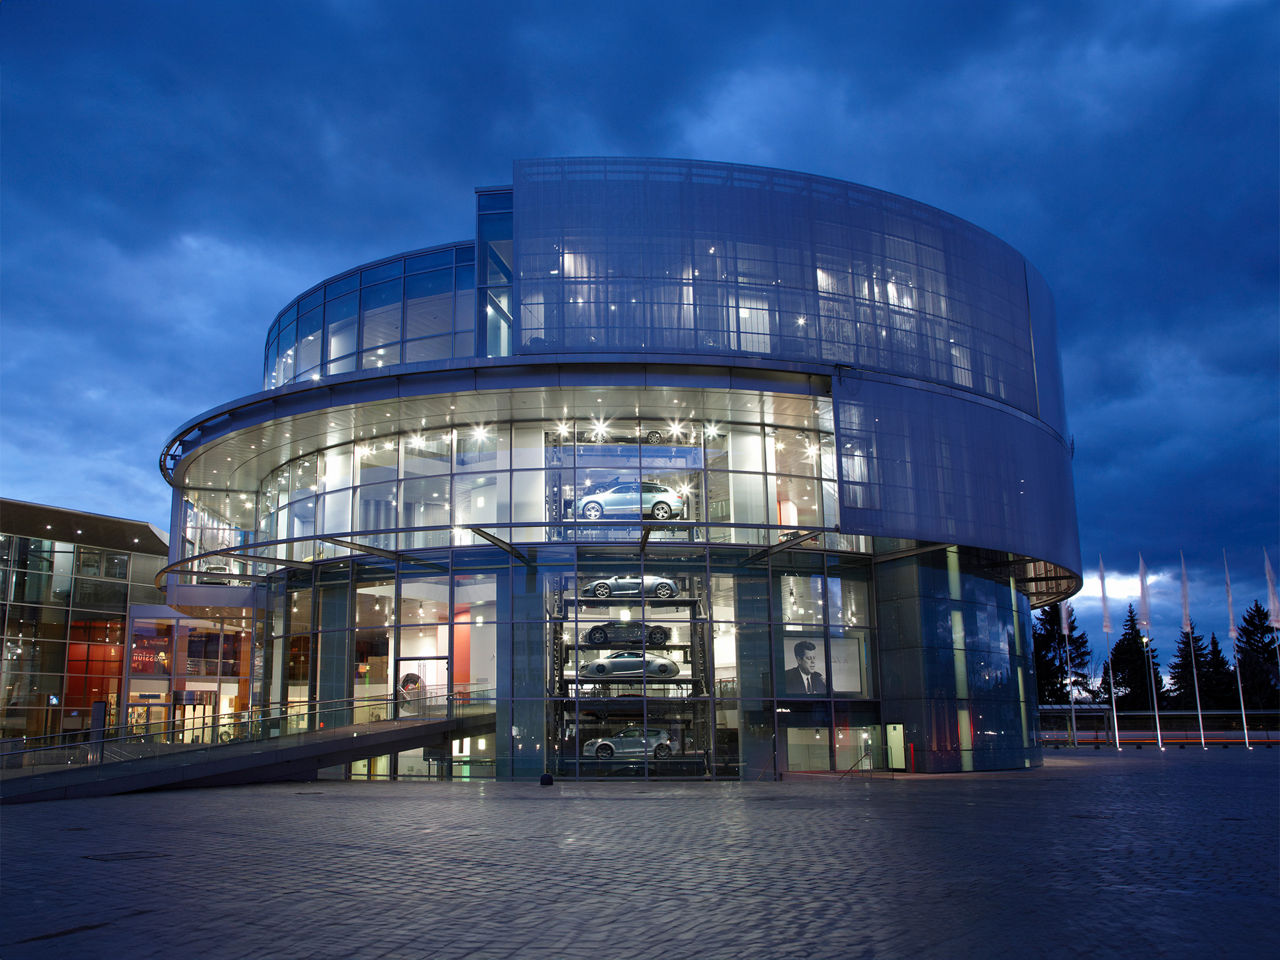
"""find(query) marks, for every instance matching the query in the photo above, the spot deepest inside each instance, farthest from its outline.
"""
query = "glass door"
(148, 718)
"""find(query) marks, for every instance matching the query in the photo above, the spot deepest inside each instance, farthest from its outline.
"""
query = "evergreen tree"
(1051, 662)
(1217, 679)
(1186, 675)
(1053, 651)
(1081, 659)
(1134, 671)
(1256, 649)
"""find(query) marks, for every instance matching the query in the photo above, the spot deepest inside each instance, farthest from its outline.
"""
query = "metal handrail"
(135, 741)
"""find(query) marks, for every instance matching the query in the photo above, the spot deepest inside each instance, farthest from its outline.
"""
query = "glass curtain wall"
(596, 660)
(409, 309)
(63, 610)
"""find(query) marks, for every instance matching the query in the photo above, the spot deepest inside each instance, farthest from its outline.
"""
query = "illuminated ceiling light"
(480, 432)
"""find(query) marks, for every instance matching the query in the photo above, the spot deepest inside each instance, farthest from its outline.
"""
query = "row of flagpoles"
(1144, 624)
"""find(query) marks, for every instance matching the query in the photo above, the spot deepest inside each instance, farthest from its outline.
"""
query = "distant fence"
(1093, 725)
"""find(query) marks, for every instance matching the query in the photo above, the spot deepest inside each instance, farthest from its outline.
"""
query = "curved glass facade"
(592, 478)
(415, 308)
(690, 469)
(672, 256)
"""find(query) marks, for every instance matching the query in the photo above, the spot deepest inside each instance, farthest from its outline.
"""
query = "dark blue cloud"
(174, 173)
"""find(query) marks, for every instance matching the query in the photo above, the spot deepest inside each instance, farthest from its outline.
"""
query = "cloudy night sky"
(172, 174)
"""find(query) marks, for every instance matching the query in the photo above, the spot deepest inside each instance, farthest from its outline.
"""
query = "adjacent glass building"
(68, 581)
(694, 469)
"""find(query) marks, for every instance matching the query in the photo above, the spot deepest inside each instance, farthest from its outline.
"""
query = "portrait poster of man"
(806, 678)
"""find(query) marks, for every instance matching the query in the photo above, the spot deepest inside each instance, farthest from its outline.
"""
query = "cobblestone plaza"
(1140, 854)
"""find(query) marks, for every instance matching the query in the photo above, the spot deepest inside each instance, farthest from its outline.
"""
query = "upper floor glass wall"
(409, 309)
(616, 255)
(686, 257)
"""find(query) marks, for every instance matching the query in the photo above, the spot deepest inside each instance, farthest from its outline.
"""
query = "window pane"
(340, 326)
(428, 304)
(432, 348)
(429, 261)
(380, 314)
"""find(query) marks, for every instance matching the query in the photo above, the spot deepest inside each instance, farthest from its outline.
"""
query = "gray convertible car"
(630, 663)
(631, 585)
(631, 742)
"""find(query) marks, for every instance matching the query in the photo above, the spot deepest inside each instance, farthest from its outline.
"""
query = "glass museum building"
(689, 469)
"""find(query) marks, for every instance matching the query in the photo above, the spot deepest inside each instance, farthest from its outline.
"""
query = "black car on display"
(625, 633)
(631, 585)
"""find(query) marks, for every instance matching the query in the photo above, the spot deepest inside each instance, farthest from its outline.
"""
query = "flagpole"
(1066, 645)
(1273, 602)
(1191, 645)
(1235, 648)
(1144, 603)
(1106, 633)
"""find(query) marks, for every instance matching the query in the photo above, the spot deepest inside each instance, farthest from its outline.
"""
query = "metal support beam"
(362, 548)
(499, 542)
(291, 564)
(786, 545)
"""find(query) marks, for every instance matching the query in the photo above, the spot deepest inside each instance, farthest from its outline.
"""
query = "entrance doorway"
(147, 718)
(894, 741)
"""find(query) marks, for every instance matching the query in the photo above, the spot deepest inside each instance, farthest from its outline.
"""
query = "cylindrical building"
(688, 469)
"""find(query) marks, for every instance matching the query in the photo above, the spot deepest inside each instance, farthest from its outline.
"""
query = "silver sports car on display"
(631, 585)
(625, 632)
(629, 498)
(631, 742)
(628, 663)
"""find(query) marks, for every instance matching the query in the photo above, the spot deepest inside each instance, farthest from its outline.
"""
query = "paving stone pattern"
(1094, 855)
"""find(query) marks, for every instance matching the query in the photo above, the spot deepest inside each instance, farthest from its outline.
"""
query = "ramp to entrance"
(294, 757)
